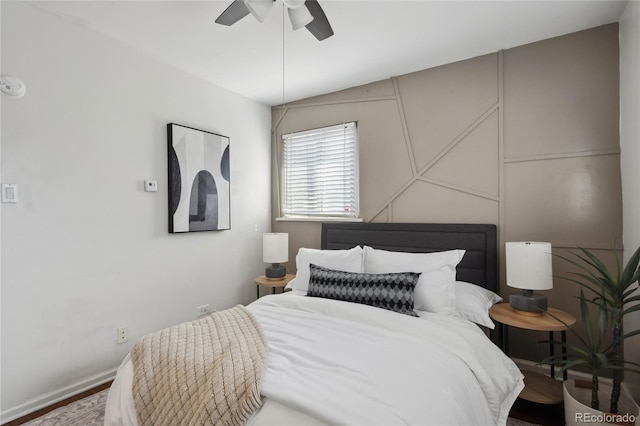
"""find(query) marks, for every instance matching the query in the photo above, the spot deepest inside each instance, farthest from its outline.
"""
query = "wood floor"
(546, 415)
(62, 403)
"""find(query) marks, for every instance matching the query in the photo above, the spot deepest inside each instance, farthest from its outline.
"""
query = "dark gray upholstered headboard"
(479, 265)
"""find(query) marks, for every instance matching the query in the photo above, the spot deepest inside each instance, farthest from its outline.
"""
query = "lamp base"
(275, 272)
(528, 303)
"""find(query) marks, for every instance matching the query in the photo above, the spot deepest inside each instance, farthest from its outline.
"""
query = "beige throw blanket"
(202, 372)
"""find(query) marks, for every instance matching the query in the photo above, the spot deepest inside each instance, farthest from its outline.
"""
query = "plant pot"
(578, 411)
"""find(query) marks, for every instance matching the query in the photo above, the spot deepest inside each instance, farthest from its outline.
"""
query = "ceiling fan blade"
(319, 27)
(232, 14)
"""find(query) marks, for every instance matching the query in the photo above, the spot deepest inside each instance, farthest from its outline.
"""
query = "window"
(320, 173)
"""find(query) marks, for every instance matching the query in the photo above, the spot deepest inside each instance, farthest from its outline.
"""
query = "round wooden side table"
(263, 281)
(538, 387)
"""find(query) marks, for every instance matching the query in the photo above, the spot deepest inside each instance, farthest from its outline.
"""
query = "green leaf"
(617, 367)
(586, 318)
(614, 292)
(572, 364)
(634, 308)
(632, 268)
(571, 329)
(627, 299)
(602, 359)
(603, 322)
(631, 334)
(582, 284)
(632, 363)
(616, 313)
(599, 266)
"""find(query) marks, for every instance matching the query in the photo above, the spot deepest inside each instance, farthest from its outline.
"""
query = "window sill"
(319, 219)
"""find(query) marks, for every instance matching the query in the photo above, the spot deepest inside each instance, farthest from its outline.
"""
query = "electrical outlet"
(203, 310)
(123, 334)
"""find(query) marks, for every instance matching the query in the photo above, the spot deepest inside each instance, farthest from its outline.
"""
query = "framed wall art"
(199, 180)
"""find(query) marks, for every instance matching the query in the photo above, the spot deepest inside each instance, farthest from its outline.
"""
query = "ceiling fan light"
(299, 17)
(259, 8)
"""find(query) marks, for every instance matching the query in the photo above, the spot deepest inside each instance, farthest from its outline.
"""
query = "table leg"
(563, 337)
(504, 335)
(273, 290)
(551, 353)
(257, 292)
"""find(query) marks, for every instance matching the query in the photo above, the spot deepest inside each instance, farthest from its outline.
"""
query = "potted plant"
(614, 294)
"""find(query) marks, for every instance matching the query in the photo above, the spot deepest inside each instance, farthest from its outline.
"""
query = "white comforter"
(343, 363)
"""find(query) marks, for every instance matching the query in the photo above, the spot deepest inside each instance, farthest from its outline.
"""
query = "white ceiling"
(373, 39)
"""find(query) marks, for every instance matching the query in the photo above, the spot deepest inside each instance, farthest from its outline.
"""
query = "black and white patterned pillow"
(391, 291)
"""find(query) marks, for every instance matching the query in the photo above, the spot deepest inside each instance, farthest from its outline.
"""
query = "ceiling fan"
(302, 13)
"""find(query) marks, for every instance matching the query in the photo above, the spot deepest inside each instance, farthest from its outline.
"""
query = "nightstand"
(538, 387)
(263, 281)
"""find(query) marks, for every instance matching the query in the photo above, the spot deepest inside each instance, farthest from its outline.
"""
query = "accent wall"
(526, 138)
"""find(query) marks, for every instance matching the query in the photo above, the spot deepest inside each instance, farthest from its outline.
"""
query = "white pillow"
(435, 291)
(473, 303)
(342, 260)
(291, 285)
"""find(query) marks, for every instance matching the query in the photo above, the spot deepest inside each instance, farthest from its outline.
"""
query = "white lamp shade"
(275, 247)
(299, 17)
(529, 265)
(259, 8)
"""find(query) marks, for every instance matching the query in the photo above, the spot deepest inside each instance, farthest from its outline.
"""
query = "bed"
(336, 355)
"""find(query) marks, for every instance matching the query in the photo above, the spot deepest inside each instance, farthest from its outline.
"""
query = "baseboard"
(525, 364)
(51, 398)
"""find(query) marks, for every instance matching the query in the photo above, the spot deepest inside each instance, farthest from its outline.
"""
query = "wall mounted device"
(12, 86)
(9, 193)
(151, 185)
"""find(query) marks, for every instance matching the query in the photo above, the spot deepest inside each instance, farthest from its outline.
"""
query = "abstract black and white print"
(199, 183)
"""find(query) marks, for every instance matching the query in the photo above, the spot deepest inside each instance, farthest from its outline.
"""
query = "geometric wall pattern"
(417, 149)
(526, 138)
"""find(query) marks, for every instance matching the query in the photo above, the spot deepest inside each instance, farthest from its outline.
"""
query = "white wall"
(0, 220)
(86, 250)
(630, 159)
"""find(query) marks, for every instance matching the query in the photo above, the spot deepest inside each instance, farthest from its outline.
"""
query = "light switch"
(9, 193)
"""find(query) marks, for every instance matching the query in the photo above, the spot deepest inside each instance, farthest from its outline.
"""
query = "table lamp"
(529, 268)
(275, 250)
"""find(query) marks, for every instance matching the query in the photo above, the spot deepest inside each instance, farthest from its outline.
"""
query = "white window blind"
(320, 173)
